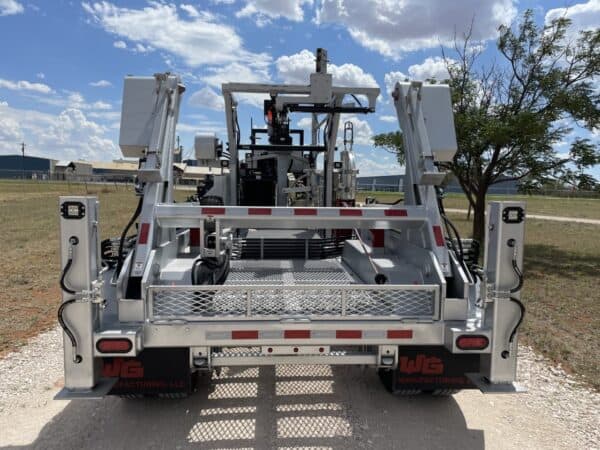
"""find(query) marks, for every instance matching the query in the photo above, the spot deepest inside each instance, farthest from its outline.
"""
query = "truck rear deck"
(273, 261)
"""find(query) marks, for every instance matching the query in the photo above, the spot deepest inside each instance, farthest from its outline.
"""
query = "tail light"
(114, 345)
(472, 342)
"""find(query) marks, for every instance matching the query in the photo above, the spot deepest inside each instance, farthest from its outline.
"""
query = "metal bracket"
(93, 295)
(387, 356)
(486, 387)
(98, 392)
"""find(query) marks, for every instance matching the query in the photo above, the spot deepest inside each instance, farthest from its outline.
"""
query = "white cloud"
(140, 48)
(120, 44)
(430, 68)
(10, 7)
(390, 119)
(394, 27)
(296, 69)
(10, 130)
(207, 98)
(584, 16)
(67, 135)
(77, 101)
(25, 86)
(69, 99)
(391, 78)
(363, 134)
(375, 163)
(198, 41)
(190, 10)
(101, 83)
(236, 72)
(263, 10)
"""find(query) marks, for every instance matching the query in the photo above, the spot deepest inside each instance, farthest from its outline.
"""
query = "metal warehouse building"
(395, 183)
(18, 166)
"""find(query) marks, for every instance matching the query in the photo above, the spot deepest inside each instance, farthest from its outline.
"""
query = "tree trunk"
(479, 217)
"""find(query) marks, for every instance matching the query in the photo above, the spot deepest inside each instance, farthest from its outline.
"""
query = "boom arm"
(426, 120)
(149, 134)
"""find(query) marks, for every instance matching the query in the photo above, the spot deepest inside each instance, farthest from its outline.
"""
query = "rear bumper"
(290, 332)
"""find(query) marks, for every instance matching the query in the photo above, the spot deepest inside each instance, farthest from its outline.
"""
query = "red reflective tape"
(244, 334)
(399, 334)
(296, 334)
(259, 211)
(350, 212)
(213, 211)
(348, 334)
(439, 236)
(305, 212)
(144, 231)
(396, 212)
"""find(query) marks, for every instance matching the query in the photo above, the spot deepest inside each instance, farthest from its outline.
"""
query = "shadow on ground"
(541, 260)
(267, 407)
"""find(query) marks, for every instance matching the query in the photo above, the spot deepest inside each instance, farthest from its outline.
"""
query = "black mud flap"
(430, 369)
(154, 372)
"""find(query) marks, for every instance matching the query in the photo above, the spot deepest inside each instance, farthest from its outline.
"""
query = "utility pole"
(178, 152)
(23, 160)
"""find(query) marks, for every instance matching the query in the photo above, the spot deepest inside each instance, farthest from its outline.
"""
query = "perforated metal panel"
(274, 302)
(288, 272)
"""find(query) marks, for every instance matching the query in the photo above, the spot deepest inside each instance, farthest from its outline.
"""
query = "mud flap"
(430, 369)
(155, 371)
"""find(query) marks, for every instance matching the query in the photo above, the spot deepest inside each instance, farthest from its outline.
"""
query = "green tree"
(511, 115)
(391, 142)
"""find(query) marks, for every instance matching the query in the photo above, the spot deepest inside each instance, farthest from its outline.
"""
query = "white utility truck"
(273, 261)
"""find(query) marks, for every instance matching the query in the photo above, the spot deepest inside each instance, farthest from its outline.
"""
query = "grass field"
(588, 208)
(29, 292)
(562, 266)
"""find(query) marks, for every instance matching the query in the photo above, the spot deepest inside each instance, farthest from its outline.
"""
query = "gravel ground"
(289, 406)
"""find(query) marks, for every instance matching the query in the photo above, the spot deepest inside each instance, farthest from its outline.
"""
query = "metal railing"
(315, 302)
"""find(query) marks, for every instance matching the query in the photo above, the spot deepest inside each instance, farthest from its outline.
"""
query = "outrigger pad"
(154, 371)
(429, 369)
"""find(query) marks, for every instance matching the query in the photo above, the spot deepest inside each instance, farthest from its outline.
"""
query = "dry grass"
(562, 266)
(29, 293)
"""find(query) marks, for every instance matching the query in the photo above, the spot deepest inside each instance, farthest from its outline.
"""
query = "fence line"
(493, 190)
(41, 176)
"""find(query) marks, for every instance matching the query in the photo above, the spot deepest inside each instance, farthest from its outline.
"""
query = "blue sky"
(63, 62)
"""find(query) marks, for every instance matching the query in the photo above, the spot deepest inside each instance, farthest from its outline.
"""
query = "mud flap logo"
(123, 368)
(422, 364)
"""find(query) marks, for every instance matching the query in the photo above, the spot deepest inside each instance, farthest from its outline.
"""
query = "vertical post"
(230, 111)
(79, 244)
(23, 160)
(503, 250)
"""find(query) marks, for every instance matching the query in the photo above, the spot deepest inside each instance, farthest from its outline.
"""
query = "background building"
(29, 167)
(395, 183)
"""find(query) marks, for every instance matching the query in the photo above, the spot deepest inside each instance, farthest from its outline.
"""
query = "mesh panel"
(287, 272)
(272, 301)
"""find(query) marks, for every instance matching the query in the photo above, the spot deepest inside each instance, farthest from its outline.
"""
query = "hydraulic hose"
(514, 290)
(73, 241)
(136, 214)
